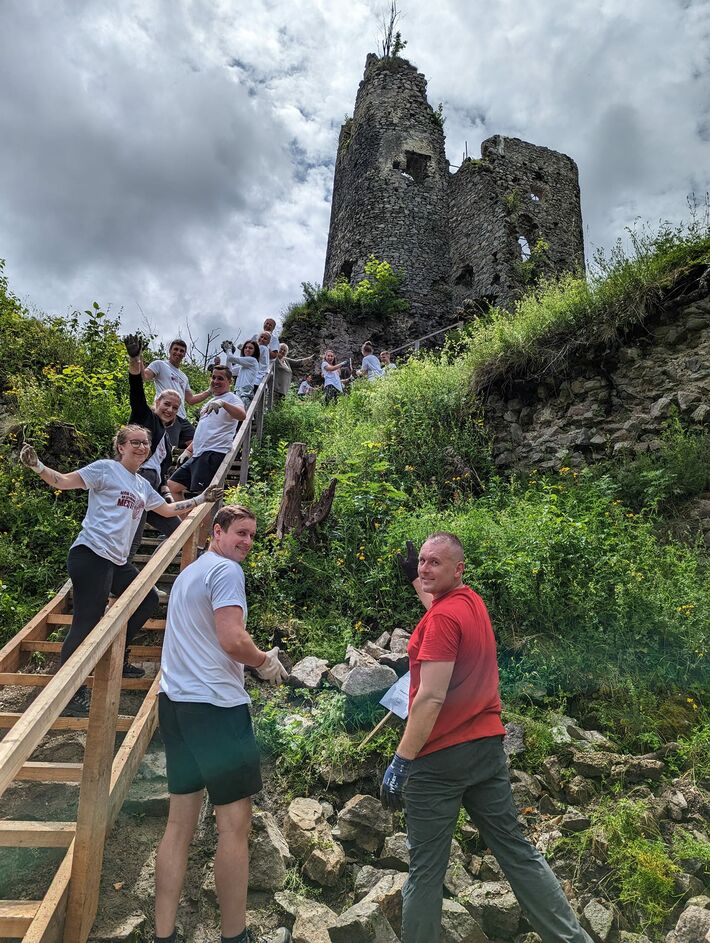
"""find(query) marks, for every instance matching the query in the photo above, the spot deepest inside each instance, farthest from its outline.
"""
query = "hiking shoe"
(132, 671)
(79, 704)
(162, 595)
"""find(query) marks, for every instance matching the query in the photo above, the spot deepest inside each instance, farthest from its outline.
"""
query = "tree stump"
(298, 510)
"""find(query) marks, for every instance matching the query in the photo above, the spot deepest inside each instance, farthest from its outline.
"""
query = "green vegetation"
(375, 295)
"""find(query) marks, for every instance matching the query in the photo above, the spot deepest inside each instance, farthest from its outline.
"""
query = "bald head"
(451, 540)
(441, 563)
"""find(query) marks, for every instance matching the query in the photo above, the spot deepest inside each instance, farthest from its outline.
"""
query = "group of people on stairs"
(451, 751)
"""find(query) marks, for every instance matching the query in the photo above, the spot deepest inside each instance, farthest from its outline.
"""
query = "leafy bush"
(378, 293)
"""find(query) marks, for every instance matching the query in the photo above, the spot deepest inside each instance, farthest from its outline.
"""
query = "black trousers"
(93, 579)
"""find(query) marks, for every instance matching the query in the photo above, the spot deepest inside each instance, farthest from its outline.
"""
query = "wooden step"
(23, 834)
(16, 917)
(51, 772)
(27, 680)
(154, 625)
(138, 652)
(8, 719)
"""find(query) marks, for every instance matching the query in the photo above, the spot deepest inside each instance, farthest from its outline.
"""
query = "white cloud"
(177, 157)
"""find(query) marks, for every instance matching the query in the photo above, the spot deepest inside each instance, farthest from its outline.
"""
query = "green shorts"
(209, 747)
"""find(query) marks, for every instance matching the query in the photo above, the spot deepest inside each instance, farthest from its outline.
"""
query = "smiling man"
(167, 375)
(206, 725)
(451, 754)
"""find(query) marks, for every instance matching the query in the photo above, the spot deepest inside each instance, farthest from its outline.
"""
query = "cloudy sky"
(174, 158)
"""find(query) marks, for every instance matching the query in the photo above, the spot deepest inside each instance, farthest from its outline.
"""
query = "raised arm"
(53, 478)
(409, 568)
(140, 410)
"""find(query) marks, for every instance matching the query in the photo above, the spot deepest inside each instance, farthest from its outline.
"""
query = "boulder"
(326, 863)
(374, 650)
(551, 773)
(384, 640)
(458, 926)
(312, 922)
(490, 870)
(574, 821)
(599, 921)
(526, 788)
(514, 740)
(362, 923)
(399, 641)
(693, 926)
(367, 877)
(304, 825)
(677, 805)
(362, 820)
(395, 853)
(387, 894)
(626, 937)
(493, 906)
(457, 880)
(356, 657)
(308, 672)
(368, 681)
(269, 855)
(338, 674)
(397, 661)
(579, 791)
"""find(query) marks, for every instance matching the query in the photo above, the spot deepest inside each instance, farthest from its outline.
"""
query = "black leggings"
(93, 579)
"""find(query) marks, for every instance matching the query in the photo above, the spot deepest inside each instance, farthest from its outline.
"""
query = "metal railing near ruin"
(68, 909)
(416, 344)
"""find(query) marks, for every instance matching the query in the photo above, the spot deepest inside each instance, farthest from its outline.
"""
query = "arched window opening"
(465, 276)
(417, 166)
(524, 247)
(346, 269)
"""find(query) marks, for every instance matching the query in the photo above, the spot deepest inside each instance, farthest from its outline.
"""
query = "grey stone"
(368, 681)
(661, 408)
(493, 906)
(362, 923)
(551, 773)
(398, 662)
(312, 922)
(368, 877)
(362, 820)
(626, 937)
(693, 926)
(514, 740)
(375, 651)
(384, 640)
(574, 821)
(458, 926)
(338, 674)
(395, 853)
(457, 880)
(599, 921)
(308, 673)
(677, 806)
(387, 894)
(579, 791)
(399, 641)
(269, 854)
(326, 863)
(701, 413)
(304, 825)
(490, 870)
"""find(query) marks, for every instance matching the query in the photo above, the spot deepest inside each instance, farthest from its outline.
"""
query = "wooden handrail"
(101, 653)
(417, 342)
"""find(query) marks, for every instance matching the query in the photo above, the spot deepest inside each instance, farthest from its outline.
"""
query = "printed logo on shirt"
(127, 499)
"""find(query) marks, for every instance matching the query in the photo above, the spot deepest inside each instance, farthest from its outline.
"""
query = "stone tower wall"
(390, 194)
(516, 190)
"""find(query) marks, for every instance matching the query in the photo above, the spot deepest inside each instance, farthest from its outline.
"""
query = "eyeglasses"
(139, 443)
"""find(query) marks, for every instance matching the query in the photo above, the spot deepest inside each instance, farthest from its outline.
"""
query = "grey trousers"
(474, 775)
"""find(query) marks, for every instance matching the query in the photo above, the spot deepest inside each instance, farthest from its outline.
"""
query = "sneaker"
(132, 671)
(79, 704)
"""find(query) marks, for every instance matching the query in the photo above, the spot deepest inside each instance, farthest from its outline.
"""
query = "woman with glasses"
(97, 560)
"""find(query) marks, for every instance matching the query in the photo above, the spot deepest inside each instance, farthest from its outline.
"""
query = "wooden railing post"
(260, 419)
(92, 817)
(244, 467)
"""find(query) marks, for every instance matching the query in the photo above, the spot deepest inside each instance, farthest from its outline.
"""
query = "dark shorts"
(196, 473)
(212, 747)
(187, 431)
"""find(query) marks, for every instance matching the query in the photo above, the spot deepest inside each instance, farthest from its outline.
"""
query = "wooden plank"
(51, 772)
(36, 628)
(244, 473)
(66, 619)
(49, 920)
(24, 834)
(138, 652)
(92, 816)
(22, 679)
(16, 916)
(10, 719)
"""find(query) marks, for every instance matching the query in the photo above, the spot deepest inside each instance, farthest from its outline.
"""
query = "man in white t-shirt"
(214, 435)
(206, 726)
(370, 364)
(273, 342)
(167, 375)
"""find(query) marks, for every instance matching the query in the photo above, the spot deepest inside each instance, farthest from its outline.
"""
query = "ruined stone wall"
(608, 401)
(390, 193)
(501, 207)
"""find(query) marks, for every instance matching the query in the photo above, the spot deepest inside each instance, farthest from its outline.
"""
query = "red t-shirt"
(457, 628)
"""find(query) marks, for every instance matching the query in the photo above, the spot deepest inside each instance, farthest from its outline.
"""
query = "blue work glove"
(393, 783)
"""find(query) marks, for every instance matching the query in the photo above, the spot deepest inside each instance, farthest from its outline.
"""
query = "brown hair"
(123, 435)
(230, 513)
(257, 349)
(367, 348)
(179, 341)
(225, 370)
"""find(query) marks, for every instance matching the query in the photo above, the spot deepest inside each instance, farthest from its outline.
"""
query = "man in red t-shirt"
(451, 754)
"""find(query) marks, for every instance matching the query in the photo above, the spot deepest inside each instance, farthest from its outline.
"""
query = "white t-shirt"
(372, 367)
(304, 388)
(117, 498)
(216, 431)
(264, 361)
(246, 377)
(194, 666)
(331, 378)
(156, 459)
(168, 377)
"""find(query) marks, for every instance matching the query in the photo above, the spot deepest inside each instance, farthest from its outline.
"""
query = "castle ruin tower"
(390, 193)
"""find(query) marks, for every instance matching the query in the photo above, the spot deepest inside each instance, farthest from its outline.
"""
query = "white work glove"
(214, 406)
(271, 668)
(228, 347)
(184, 456)
(210, 494)
(29, 459)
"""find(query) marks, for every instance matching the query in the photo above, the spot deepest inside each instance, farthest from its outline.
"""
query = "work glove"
(393, 783)
(213, 406)
(135, 344)
(184, 456)
(29, 459)
(409, 565)
(211, 494)
(228, 347)
(271, 668)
